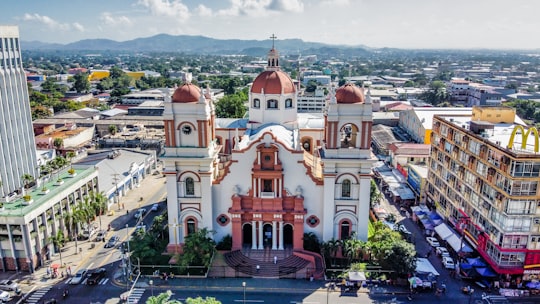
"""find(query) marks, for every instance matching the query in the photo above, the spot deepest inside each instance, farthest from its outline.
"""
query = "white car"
(5, 297)
(79, 276)
(433, 241)
(448, 263)
(441, 251)
(155, 207)
(8, 285)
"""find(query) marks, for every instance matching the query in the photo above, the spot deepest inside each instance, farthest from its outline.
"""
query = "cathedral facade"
(267, 179)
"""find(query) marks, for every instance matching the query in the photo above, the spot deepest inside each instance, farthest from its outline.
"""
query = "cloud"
(79, 27)
(296, 6)
(203, 11)
(261, 7)
(109, 19)
(51, 23)
(167, 8)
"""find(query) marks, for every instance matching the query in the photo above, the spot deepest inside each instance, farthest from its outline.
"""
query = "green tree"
(113, 129)
(200, 300)
(58, 143)
(436, 93)
(81, 84)
(231, 106)
(27, 179)
(162, 298)
(311, 86)
(50, 85)
(400, 257)
(58, 242)
(311, 242)
(198, 249)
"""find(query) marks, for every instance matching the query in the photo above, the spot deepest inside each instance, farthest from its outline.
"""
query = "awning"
(423, 265)
(443, 231)
(458, 244)
(476, 262)
(486, 272)
(356, 276)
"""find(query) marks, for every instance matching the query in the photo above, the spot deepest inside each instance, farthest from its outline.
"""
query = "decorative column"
(274, 235)
(281, 235)
(261, 243)
(253, 235)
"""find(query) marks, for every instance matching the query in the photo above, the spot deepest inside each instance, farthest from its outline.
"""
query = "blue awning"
(486, 272)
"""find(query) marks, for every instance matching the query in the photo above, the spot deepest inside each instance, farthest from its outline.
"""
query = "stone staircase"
(288, 264)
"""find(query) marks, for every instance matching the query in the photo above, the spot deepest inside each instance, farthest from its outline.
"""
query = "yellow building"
(96, 75)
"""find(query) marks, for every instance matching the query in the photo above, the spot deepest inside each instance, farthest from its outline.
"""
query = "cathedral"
(267, 179)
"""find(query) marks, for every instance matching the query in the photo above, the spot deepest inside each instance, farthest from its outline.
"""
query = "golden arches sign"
(524, 137)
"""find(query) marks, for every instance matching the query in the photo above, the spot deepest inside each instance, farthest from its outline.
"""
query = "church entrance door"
(267, 235)
(288, 235)
(247, 230)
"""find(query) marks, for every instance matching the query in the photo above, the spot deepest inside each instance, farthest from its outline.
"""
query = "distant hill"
(191, 45)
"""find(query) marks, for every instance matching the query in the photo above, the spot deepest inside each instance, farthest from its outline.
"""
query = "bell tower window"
(256, 103)
(190, 186)
(288, 103)
(346, 188)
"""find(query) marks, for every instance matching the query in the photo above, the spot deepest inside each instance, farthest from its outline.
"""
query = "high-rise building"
(484, 178)
(17, 146)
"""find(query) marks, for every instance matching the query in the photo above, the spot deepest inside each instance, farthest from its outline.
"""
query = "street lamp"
(151, 286)
(244, 286)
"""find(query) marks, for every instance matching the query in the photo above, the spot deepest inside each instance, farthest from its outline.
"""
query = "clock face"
(306, 145)
(186, 129)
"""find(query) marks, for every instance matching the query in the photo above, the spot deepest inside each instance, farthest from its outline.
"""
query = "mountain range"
(194, 45)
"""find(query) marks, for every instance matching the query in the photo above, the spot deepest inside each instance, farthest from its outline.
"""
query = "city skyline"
(496, 24)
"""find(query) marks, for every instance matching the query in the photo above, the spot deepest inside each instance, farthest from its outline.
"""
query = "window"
(288, 103)
(346, 188)
(267, 185)
(313, 221)
(345, 230)
(272, 104)
(190, 186)
(223, 220)
(191, 227)
(186, 129)
(256, 103)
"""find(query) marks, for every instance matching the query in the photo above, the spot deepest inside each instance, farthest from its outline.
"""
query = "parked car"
(94, 276)
(140, 213)
(448, 263)
(100, 236)
(5, 297)
(155, 207)
(79, 276)
(441, 251)
(433, 241)
(8, 285)
(112, 241)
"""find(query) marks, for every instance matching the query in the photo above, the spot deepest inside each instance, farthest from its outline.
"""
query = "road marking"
(250, 301)
(84, 282)
(104, 281)
(38, 294)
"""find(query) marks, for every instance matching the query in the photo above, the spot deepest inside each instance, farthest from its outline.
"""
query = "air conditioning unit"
(537, 220)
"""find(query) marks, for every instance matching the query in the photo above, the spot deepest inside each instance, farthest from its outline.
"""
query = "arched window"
(191, 227)
(190, 186)
(346, 188)
(272, 104)
(288, 103)
(256, 103)
(345, 230)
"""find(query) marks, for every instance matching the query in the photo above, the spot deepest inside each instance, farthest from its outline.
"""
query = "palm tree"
(58, 143)
(331, 247)
(27, 179)
(70, 155)
(163, 298)
(58, 241)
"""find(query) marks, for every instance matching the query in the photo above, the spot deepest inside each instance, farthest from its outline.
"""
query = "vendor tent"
(424, 266)
(458, 244)
(356, 276)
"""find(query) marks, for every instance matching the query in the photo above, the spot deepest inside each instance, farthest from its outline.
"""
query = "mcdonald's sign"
(524, 137)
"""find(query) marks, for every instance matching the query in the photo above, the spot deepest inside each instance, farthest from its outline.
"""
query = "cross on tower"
(273, 37)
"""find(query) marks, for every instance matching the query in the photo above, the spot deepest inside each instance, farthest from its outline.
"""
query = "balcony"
(268, 195)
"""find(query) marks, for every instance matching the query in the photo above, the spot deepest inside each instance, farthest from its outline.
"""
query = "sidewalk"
(76, 254)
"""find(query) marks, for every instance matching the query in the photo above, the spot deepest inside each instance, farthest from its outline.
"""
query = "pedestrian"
(275, 259)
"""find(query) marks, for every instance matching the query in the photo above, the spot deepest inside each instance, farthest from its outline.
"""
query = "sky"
(432, 24)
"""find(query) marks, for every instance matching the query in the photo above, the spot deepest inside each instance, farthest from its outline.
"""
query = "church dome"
(187, 92)
(349, 93)
(273, 82)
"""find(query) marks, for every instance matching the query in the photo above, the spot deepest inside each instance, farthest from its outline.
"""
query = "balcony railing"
(267, 195)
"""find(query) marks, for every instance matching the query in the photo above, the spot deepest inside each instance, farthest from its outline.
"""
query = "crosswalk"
(101, 282)
(38, 294)
(136, 295)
